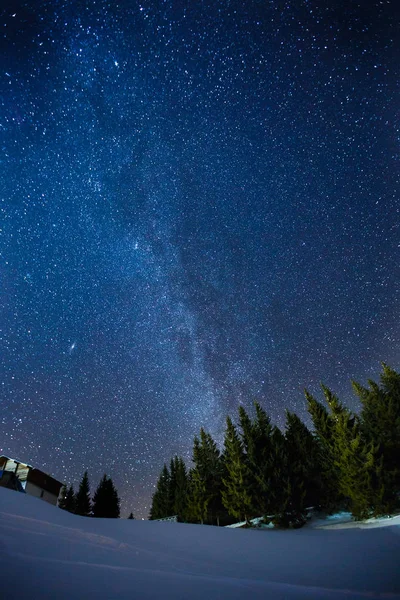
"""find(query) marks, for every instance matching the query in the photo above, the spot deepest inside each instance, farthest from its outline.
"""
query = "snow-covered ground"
(48, 554)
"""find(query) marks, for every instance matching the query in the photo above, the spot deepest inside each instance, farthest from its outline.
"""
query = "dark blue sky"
(199, 208)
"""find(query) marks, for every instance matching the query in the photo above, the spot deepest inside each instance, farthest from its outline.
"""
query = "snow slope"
(49, 554)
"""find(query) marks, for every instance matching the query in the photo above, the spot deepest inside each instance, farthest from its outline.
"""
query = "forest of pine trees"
(105, 503)
(346, 462)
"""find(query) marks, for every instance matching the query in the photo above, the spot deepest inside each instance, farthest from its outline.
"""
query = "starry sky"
(199, 208)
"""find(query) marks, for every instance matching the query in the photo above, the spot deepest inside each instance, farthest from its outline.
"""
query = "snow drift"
(49, 554)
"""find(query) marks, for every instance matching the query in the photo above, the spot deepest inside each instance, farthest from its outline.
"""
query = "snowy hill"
(49, 554)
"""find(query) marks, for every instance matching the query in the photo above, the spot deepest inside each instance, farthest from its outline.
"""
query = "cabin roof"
(20, 462)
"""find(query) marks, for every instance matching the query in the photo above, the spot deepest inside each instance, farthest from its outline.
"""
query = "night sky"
(199, 208)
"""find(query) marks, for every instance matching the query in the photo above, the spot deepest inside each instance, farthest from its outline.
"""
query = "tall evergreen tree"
(178, 487)
(198, 499)
(82, 499)
(247, 434)
(198, 494)
(172, 486)
(161, 501)
(235, 492)
(380, 425)
(106, 502)
(250, 457)
(257, 438)
(356, 459)
(330, 497)
(301, 472)
(209, 467)
(204, 500)
(277, 478)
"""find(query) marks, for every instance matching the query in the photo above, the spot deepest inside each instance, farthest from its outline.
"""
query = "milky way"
(199, 209)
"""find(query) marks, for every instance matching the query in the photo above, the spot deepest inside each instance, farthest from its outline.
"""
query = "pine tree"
(266, 458)
(161, 501)
(302, 471)
(250, 457)
(213, 471)
(116, 503)
(101, 499)
(257, 438)
(198, 495)
(70, 500)
(178, 488)
(205, 481)
(172, 487)
(356, 459)
(277, 479)
(131, 517)
(208, 470)
(198, 499)
(62, 497)
(106, 502)
(235, 492)
(82, 499)
(330, 498)
(380, 425)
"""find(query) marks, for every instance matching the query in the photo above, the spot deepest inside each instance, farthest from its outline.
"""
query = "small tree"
(235, 493)
(106, 502)
(62, 497)
(83, 504)
(161, 501)
(70, 500)
(131, 517)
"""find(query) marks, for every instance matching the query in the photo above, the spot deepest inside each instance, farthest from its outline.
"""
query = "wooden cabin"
(34, 481)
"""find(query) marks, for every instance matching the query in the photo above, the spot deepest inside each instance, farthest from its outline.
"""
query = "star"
(202, 208)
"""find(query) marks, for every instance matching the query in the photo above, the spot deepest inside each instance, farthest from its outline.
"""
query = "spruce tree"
(161, 500)
(235, 492)
(172, 487)
(380, 425)
(266, 459)
(62, 497)
(115, 505)
(99, 505)
(208, 469)
(70, 500)
(277, 480)
(356, 459)
(301, 472)
(213, 471)
(257, 438)
(198, 499)
(106, 502)
(198, 494)
(250, 456)
(178, 488)
(131, 517)
(330, 497)
(82, 499)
